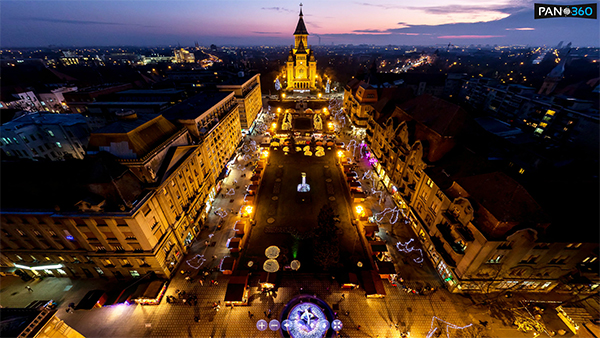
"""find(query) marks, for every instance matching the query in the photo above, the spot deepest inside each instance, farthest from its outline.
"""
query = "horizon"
(34, 24)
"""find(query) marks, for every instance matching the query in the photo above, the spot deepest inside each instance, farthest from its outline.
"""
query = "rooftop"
(195, 106)
(45, 118)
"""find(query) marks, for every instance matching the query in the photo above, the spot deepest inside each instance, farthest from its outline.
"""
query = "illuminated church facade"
(301, 67)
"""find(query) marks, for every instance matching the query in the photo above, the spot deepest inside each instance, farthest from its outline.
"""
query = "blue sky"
(245, 22)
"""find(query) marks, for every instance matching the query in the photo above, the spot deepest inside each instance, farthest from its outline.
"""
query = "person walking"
(28, 288)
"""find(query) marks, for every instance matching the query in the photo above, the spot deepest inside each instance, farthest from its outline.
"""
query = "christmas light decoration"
(403, 247)
(433, 329)
(199, 261)
(230, 192)
(221, 213)
(394, 212)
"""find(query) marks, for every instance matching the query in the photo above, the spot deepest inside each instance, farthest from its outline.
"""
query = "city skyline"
(138, 23)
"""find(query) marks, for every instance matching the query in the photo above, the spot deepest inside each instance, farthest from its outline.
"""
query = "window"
(21, 232)
(589, 259)
(25, 138)
(558, 259)
(573, 245)
(154, 223)
(521, 171)
(496, 259)
(19, 257)
(37, 233)
(124, 262)
(52, 233)
(100, 248)
(99, 271)
(435, 206)
(58, 144)
(529, 285)
(75, 259)
(505, 245)
(107, 262)
(545, 285)
(134, 273)
(425, 194)
(541, 246)
(531, 259)
(142, 262)
(146, 210)
(429, 183)
(507, 284)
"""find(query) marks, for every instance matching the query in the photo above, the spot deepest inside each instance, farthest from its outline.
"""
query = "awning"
(91, 299)
(372, 284)
(385, 268)
(235, 292)
(153, 289)
(227, 263)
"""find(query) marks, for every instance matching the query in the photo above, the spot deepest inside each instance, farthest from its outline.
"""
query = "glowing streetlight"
(340, 154)
(279, 109)
(360, 210)
(283, 95)
(319, 95)
(274, 125)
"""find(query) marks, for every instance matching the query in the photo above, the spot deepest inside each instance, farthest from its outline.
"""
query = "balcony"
(446, 232)
(439, 247)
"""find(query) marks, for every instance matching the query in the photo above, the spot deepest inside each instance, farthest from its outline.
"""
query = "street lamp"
(319, 95)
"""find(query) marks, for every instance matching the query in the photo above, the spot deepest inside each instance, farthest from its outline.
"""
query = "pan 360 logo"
(545, 11)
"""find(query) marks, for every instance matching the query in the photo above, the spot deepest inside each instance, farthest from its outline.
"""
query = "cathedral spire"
(301, 28)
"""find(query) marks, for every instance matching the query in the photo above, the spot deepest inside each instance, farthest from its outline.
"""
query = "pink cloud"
(521, 29)
(470, 36)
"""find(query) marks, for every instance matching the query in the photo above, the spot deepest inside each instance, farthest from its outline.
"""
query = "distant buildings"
(45, 135)
(558, 119)
(183, 56)
(78, 101)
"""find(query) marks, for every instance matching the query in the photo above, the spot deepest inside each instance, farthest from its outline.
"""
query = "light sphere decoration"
(271, 265)
(272, 252)
(295, 265)
(250, 264)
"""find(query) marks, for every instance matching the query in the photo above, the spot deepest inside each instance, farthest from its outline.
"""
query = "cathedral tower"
(301, 67)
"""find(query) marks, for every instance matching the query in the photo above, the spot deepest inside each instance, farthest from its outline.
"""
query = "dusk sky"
(380, 22)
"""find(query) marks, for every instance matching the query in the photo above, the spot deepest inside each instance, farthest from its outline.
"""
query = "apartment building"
(43, 135)
(482, 230)
(132, 206)
(247, 93)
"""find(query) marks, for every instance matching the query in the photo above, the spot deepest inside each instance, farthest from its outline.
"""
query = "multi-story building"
(213, 118)
(133, 205)
(247, 93)
(54, 101)
(482, 230)
(45, 135)
(22, 99)
(359, 99)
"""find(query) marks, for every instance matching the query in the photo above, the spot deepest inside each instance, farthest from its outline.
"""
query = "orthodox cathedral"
(301, 67)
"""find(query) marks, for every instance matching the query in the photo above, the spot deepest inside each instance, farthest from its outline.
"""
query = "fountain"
(303, 187)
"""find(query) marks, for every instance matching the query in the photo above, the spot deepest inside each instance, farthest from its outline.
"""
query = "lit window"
(521, 171)
(134, 273)
(58, 144)
(429, 183)
(550, 112)
(543, 124)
